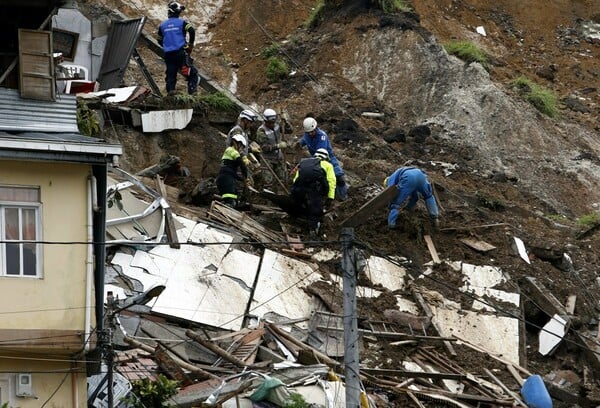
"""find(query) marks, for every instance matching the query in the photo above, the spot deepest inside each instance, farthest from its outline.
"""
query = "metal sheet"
(121, 41)
(22, 115)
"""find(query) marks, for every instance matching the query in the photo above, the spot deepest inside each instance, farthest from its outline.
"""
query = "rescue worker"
(231, 162)
(269, 138)
(243, 127)
(315, 138)
(314, 183)
(412, 183)
(177, 37)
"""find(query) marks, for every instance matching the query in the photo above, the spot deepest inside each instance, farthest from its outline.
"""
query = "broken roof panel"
(280, 286)
(385, 273)
(198, 276)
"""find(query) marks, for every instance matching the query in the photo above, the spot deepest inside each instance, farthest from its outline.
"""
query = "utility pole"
(110, 303)
(351, 356)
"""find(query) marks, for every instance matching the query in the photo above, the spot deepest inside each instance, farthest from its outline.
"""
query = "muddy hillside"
(388, 93)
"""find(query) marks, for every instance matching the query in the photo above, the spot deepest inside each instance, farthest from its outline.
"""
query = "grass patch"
(544, 100)
(393, 6)
(316, 15)
(589, 220)
(276, 69)
(468, 52)
(271, 51)
(218, 101)
(489, 202)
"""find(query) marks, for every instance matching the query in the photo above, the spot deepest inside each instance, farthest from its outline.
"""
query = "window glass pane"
(29, 259)
(11, 219)
(13, 259)
(22, 194)
(28, 224)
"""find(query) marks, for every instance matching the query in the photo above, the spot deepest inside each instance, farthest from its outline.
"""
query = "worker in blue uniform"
(412, 183)
(177, 37)
(315, 138)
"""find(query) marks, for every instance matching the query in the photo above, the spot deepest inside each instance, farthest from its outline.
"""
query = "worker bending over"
(412, 183)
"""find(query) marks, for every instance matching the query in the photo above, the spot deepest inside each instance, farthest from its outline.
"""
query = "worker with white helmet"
(270, 140)
(313, 189)
(243, 127)
(177, 37)
(315, 138)
(231, 162)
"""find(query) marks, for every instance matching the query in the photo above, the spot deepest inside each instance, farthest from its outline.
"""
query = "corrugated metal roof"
(21, 115)
(120, 44)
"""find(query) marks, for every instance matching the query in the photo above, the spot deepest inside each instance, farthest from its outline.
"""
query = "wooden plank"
(570, 306)
(169, 220)
(477, 245)
(412, 374)
(513, 371)
(370, 207)
(419, 298)
(216, 349)
(432, 250)
(543, 298)
(504, 387)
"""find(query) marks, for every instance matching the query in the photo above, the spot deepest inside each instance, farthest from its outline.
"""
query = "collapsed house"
(250, 314)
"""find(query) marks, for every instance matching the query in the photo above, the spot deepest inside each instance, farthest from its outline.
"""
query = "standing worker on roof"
(412, 183)
(314, 183)
(177, 37)
(315, 138)
(269, 138)
(228, 174)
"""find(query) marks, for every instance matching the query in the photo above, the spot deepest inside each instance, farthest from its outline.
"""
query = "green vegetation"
(556, 217)
(468, 52)
(87, 120)
(271, 51)
(392, 6)
(489, 202)
(149, 393)
(296, 401)
(589, 219)
(276, 69)
(217, 100)
(544, 100)
(316, 15)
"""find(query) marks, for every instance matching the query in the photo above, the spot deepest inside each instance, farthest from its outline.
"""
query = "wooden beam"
(504, 387)
(184, 364)
(370, 207)
(323, 357)
(412, 374)
(392, 335)
(419, 298)
(432, 250)
(169, 220)
(216, 349)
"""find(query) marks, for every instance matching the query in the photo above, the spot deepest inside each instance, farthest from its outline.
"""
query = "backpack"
(310, 171)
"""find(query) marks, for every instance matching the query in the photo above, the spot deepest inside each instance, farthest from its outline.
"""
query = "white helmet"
(175, 8)
(309, 124)
(322, 153)
(270, 114)
(239, 138)
(248, 114)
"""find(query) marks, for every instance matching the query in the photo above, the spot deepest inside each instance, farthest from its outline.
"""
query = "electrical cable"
(55, 391)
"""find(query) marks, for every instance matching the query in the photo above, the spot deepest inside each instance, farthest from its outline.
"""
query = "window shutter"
(36, 65)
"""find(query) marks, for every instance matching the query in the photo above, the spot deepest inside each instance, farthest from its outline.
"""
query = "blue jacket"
(172, 34)
(411, 183)
(321, 141)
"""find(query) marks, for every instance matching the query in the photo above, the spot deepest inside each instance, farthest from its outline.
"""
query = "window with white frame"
(20, 228)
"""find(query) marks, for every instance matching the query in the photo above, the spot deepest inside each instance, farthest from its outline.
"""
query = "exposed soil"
(539, 39)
